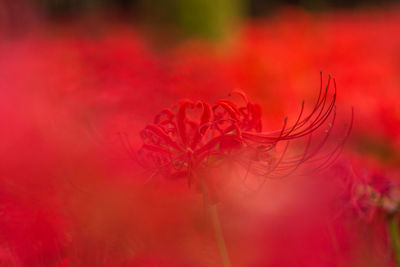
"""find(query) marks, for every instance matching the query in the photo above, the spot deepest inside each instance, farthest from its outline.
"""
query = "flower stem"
(394, 235)
(213, 213)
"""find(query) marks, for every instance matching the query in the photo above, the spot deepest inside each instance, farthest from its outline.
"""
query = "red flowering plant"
(178, 145)
(371, 192)
(368, 191)
(192, 137)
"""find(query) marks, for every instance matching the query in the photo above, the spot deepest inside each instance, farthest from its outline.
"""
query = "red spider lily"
(178, 144)
(369, 190)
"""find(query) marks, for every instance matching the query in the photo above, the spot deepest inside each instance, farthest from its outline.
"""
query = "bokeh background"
(79, 79)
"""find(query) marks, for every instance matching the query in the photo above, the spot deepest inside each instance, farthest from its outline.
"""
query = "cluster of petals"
(369, 190)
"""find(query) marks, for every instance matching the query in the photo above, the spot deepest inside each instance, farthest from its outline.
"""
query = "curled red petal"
(242, 94)
(229, 107)
(165, 112)
(181, 120)
(204, 124)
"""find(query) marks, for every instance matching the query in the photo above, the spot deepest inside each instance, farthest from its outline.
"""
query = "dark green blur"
(212, 19)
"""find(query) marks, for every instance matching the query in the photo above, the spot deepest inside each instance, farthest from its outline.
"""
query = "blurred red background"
(74, 95)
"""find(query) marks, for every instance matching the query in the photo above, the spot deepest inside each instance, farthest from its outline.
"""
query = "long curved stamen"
(161, 134)
(337, 151)
(321, 144)
(317, 122)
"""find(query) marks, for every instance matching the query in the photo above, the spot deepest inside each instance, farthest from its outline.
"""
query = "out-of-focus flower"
(371, 193)
(369, 190)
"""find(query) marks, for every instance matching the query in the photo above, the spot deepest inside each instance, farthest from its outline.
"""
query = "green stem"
(394, 235)
(213, 213)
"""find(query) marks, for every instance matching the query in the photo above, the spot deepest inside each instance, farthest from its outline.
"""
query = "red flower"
(177, 143)
(369, 189)
(192, 135)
